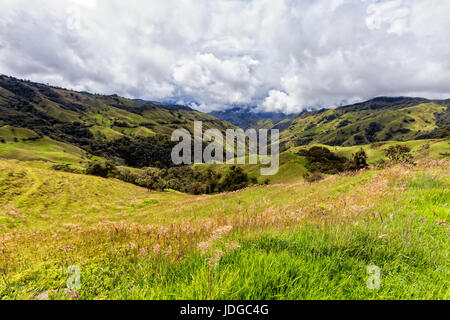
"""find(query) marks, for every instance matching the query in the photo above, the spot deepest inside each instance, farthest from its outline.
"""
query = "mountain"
(73, 126)
(107, 126)
(247, 117)
(379, 119)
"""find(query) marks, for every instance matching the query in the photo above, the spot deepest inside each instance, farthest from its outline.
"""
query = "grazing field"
(286, 241)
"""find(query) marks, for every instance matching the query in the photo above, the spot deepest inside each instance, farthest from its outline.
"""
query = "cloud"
(211, 80)
(280, 55)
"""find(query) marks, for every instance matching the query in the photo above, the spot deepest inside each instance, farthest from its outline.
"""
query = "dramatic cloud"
(281, 55)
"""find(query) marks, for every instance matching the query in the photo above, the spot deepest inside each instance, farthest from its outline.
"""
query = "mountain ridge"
(118, 128)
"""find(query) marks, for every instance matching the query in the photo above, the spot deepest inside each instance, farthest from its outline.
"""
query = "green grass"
(43, 149)
(8, 133)
(297, 241)
(402, 123)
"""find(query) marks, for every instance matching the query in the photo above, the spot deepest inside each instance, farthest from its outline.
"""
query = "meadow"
(294, 240)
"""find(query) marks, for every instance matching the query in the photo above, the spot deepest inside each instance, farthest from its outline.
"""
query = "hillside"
(100, 125)
(380, 119)
(294, 241)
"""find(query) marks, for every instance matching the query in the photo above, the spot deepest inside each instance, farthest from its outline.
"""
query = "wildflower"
(230, 247)
(221, 232)
(168, 251)
(213, 262)
(69, 247)
(204, 247)
(144, 252)
(132, 245)
(157, 249)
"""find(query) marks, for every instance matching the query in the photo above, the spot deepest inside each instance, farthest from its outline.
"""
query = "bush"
(313, 177)
(235, 179)
(323, 160)
(358, 161)
(105, 169)
(198, 188)
(126, 175)
(399, 153)
(151, 179)
(380, 164)
(65, 168)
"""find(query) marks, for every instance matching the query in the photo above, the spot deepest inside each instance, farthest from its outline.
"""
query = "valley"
(268, 237)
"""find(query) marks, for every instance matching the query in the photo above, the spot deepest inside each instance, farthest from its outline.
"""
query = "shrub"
(358, 161)
(198, 188)
(151, 179)
(105, 169)
(323, 160)
(313, 177)
(126, 175)
(235, 179)
(399, 153)
(65, 168)
(380, 164)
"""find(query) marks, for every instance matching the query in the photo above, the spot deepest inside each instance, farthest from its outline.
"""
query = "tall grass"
(299, 241)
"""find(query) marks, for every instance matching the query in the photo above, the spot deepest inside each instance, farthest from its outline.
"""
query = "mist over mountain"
(249, 117)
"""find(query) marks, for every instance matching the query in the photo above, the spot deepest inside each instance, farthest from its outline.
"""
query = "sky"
(278, 55)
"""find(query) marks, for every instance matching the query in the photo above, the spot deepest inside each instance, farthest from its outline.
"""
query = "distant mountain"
(247, 117)
(379, 119)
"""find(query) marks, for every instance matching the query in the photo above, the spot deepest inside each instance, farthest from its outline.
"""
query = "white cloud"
(210, 80)
(281, 55)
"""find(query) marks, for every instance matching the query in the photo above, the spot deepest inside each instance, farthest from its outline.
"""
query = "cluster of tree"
(183, 178)
(187, 180)
(399, 153)
(322, 161)
(137, 152)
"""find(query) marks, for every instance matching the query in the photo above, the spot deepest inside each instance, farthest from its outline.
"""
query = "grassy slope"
(100, 113)
(402, 122)
(292, 166)
(42, 149)
(297, 241)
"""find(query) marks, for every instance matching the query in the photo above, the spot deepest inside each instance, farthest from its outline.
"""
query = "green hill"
(107, 126)
(380, 119)
(293, 241)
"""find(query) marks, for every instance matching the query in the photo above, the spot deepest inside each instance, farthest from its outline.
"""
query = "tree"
(358, 161)
(105, 169)
(322, 160)
(151, 179)
(235, 179)
(398, 153)
(198, 188)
